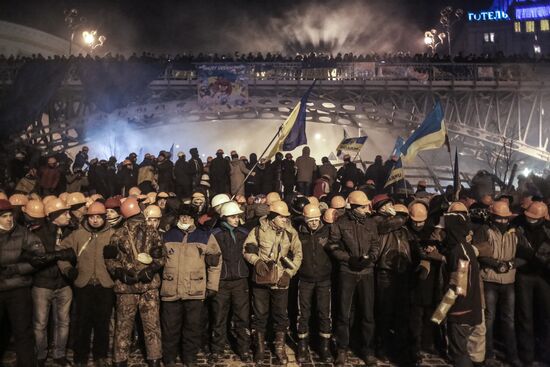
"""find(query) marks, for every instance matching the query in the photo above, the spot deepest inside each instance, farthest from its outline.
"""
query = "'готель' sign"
(488, 15)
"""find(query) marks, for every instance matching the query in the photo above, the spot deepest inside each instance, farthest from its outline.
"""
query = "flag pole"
(405, 180)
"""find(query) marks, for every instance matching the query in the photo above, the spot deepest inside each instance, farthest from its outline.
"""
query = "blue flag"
(397, 148)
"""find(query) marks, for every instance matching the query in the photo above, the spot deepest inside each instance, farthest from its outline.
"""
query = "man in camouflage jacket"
(134, 258)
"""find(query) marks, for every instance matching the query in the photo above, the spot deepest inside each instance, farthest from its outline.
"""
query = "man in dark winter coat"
(376, 172)
(165, 169)
(81, 158)
(288, 175)
(348, 172)
(195, 167)
(127, 176)
(220, 171)
(184, 180)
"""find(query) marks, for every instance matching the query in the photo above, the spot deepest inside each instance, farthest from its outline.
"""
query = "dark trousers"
(424, 334)
(264, 298)
(181, 320)
(458, 344)
(392, 311)
(94, 305)
(307, 291)
(17, 304)
(503, 297)
(350, 284)
(532, 291)
(232, 294)
(304, 188)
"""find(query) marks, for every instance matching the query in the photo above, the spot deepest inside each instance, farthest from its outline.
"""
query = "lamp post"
(73, 21)
(92, 40)
(433, 39)
(448, 17)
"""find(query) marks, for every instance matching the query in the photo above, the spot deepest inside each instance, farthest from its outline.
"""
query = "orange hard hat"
(34, 209)
(537, 210)
(280, 208)
(76, 198)
(457, 207)
(330, 215)
(130, 207)
(313, 200)
(501, 209)
(134, 191)
(338, 202)
(358, 198)
(55, 205)
(418, 211)
(152, 211)
(63, 196)
(312, 211)
(97, 208)
(400, 208)
(48, 198)
(272, 197)
(18, 199)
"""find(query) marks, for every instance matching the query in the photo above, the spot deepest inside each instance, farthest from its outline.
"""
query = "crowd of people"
(238, 253)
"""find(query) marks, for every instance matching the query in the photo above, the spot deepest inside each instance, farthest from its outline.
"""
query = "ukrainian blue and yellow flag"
(293, 131)
(431, 134)
(397, 174)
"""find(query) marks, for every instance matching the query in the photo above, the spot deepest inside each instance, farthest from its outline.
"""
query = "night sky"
(169, 26)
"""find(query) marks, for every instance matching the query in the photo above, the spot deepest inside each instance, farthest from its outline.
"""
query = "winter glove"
(9, 270)
(72, 274)
(156, 252)
(43, 260)
(212, 259)
(110, 252)
(67, 254)
(358, 263)
(126, 276)
(423, 269)
(261, 268)
(146, 275)
(504, 267)
(284, 280)
(251, 248)
(210, 293)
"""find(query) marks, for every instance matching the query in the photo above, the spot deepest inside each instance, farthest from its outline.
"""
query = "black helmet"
(298, 204)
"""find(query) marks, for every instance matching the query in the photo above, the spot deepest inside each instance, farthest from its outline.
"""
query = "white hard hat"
(220, 199)
(230, 208)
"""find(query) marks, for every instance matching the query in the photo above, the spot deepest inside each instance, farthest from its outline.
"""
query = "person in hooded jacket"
(165, 169)
(220, 173)
(288, 175)
(348, 172)
(195, 168)
(127, 176)
(184, 180)
(314, 282)
(251, 185)
(147, 175)
(305, 169)
(238, 174)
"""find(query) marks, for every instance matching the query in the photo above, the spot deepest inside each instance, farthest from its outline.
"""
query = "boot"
(324, 350)
(259, 350)
(302, 354)
(341, 359)
(153, 362)
(280, 351)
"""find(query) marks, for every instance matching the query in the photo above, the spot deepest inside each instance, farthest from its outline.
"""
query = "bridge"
(486, 105)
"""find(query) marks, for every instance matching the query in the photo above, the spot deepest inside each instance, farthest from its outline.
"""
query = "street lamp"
(433, 39)
(73, 21)
(92, 40)
(448, 17)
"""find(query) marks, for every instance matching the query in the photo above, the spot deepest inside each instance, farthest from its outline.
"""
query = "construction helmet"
(330, 215)
(75, 198)
(3, 196)
(134, 191)
(152, 211)
(48, 198)
(18, 199)
(500, 209)
(220, 199)
(34, 209)
(537, 210)
(152, 197)
(358, 198)
(162, 195)
(457, 207)
(272, 197)
(63, 196)
(34, 196)
(97, 208)
(400, 208)
(313, 200)
(129, 207)
(96, 197)
(198, 194)
(312, 211)
(55, 205)
(380, 200)
(112, 203)
(418, 211)
(230, 208)
(299, 203)
(280, 208)
(338, 202)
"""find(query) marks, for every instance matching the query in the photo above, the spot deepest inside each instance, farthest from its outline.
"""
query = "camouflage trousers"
(127, 305)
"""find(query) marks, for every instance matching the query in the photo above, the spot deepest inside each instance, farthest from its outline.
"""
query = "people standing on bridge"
(305, 169)
(220, 173)
(81, 158)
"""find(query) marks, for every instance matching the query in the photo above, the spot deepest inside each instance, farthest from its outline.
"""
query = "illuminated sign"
(535, 12)
(488, 15)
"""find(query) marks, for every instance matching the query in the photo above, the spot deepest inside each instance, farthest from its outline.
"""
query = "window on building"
(545, 25)
(517, 27)
(489, 37)
(530, 26)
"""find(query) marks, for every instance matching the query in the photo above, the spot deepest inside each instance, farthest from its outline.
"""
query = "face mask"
(388, 210)
(532, 222)
(183, 226)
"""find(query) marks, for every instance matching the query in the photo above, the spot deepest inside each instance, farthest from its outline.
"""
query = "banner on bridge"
(222, 88)
(353, 145)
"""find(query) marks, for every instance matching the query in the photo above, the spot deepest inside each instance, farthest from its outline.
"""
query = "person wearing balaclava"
(533, 286)
(17, 247)
(355, 244)
(274, 250)
(192, 257)
(134, 258)
(93, 286)
(498, 273)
